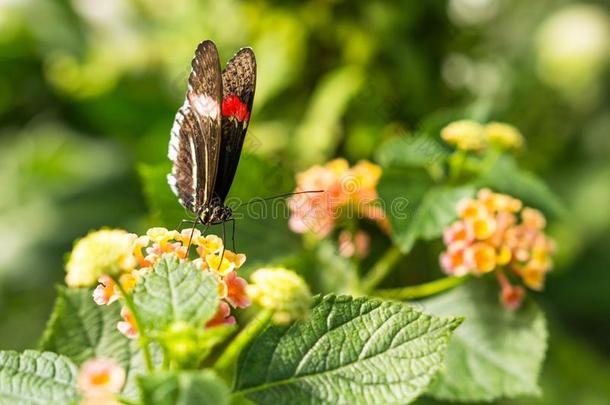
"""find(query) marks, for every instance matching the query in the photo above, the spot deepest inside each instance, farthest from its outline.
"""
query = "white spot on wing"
(171, 180)
(205, 106)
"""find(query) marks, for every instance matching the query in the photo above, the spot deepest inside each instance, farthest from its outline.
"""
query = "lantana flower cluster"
(108, 255)
(469, 135)
(345, 192)
(281, 291)
(495, 232)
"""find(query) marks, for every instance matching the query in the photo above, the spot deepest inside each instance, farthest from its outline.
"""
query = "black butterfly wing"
(195, 138)
(239, 83)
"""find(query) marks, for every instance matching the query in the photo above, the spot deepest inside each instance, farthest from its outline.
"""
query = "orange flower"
(453, 261)
(128, 326)
(458, 232)
(236, 290)
(533, 218)
(99, 377)
(344, 190)
(512, 297)
(222, 317)
(481, 257)
(106, 292)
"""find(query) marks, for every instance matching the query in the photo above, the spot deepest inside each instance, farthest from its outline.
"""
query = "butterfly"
(209, 130)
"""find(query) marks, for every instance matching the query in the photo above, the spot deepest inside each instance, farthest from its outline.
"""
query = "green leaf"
(335, 273)
(507, 177)
(496, 352)
(80, 329)
(411, 151)
(33, 377)
(174, 291)
(318, 134)
(418, 210)
(350, 351)
(183, 388)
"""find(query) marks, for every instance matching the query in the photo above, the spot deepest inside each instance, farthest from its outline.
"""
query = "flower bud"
(282, 291)
(465, 135)
(503, 135)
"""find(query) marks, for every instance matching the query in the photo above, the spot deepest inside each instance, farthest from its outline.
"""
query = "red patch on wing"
(232, 106)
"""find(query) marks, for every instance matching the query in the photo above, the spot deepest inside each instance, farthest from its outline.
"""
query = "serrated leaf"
(80, 329)
(496, 352)
(425, 210)
(350, 351)
(36, 378)
(175, 290)
(507, 177)
(183, 388)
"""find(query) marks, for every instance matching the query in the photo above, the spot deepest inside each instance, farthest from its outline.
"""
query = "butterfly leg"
(233, 233)
(222, 255)
(197, 220)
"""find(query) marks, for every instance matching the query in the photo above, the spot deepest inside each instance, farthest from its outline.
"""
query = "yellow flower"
(282, 291)
(533, 277)
(481, 257)
(207, 244)
(230, 261)
(504, 255)
(503, 135)
(532, 218)
(108, 251)
(465, 135)
(482, 227)
(471, 209)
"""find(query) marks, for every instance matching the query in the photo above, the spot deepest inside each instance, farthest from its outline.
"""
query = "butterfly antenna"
(279, 196)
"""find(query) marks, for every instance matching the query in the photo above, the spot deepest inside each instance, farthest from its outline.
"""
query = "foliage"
(88, 94)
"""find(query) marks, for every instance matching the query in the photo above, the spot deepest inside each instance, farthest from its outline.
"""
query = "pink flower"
(236, 290)
(458, 232)
(106, 292)
(354, 245)
(453, 261)
(345, 191)
(222, 316)
(128, 326)
(99, 377)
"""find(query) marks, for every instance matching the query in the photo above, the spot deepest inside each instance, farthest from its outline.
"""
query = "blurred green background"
(89, 89)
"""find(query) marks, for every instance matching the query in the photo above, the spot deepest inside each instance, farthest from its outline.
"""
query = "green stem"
(126, 401)
(421, 290)
(381, 269)
(230, 354)
(456, 164)
(131, 307)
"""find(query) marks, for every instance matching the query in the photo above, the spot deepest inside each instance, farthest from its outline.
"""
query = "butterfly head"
(216, 214)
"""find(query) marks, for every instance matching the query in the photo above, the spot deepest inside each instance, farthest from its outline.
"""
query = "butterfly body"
(209, 131)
